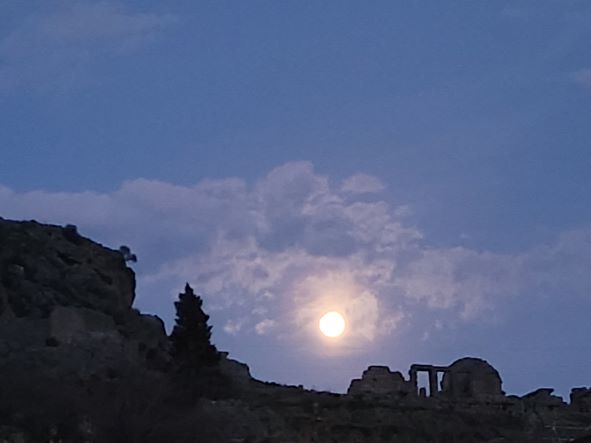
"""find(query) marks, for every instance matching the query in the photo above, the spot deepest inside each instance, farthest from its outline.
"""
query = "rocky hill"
(65, 305)
(79, 364)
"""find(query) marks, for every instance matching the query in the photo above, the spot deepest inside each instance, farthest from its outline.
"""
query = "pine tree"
(191, 346)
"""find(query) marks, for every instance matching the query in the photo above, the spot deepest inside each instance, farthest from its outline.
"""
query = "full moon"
(332, 324)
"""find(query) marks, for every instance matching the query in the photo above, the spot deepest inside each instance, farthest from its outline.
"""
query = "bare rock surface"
(44, 266)
(65, 305)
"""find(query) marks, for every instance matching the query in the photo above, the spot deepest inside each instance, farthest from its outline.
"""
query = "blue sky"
(420, 165)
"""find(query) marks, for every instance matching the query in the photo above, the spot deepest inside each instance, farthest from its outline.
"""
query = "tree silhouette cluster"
(127, 254)
(191, 346)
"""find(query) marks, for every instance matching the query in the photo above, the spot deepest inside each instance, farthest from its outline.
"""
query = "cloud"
(291, 246)
(460, 277)
(56, 49)
(362, 184)
(233, 327)
(582, 77)
(264, 326)
(390, 323)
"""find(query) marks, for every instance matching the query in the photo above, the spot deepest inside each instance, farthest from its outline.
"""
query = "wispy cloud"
(56, 49)
(362, 184)
(293, 245)
(582, 77)
(233, 327)
(264, 326)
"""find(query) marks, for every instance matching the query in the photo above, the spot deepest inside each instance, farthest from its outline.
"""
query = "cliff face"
(65, 306)
(43, 266)
(78, 363)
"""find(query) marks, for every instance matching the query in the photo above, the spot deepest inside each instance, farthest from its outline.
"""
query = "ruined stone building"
(380, 380)
(467, 382)
(468, 378)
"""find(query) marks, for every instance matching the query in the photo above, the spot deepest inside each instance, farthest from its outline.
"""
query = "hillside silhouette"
(79, 364)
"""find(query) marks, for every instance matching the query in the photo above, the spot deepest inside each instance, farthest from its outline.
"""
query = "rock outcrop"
(580, 399)
(65, 306)
(43, 266)
(542, 400)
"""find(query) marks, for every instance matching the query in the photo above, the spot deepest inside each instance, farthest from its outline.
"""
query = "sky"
(421, 167)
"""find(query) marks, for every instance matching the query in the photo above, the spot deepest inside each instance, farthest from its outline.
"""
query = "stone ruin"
(468, 381)
(472, 378)
(468, 378)
(379, 380)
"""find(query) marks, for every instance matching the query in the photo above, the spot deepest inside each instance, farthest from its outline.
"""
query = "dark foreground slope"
(79, 364)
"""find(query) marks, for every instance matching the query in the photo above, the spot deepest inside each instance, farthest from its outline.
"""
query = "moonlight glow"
(332, 324)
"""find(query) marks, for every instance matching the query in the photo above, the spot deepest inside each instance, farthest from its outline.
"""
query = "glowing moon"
(332, 324)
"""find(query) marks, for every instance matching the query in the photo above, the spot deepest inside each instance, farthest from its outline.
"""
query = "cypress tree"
(191, 346)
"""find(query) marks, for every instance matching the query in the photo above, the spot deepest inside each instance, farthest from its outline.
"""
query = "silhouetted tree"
(191, 346)
(127, 254)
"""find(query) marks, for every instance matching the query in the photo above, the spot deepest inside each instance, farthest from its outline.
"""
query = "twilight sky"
(421, 166)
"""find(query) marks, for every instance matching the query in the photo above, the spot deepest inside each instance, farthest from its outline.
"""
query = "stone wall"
(379, 380)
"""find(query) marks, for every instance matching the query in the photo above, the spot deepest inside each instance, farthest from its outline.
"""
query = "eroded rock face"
(65, 307)
(45, 266)
(542, 400)
(236, 371)
(68, 324)
(580, 399)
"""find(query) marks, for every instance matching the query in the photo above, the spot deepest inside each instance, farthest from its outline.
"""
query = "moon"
(332, 324)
